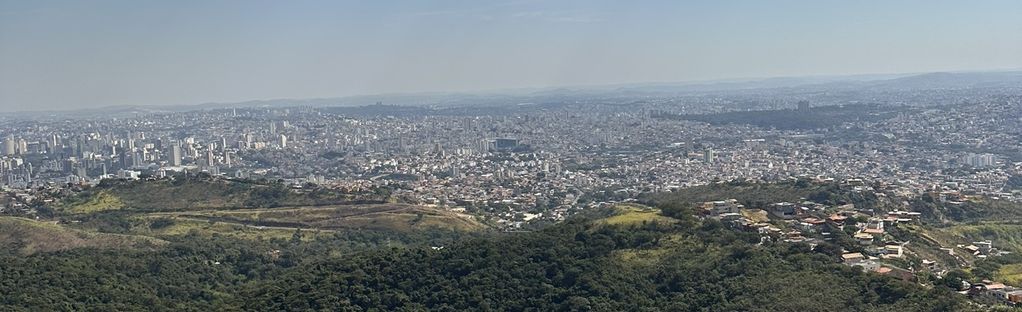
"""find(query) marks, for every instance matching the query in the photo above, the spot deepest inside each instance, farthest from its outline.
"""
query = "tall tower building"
(283, 141)
(803, 106)
(10, 147)
(175, 155)
(248, 140)
(22, 147)
(210, 160)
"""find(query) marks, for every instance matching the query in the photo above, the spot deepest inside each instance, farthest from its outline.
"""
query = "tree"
(955, 279)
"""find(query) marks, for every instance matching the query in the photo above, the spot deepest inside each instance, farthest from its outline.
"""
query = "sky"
(81, 54)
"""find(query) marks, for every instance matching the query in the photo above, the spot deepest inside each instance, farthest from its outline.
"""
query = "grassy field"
(243, 223)
(384, 217)
(187, 226)
(630, 214)
(27, 236)
(101, 201)
(148, 230)
(166, 195)
(153, 211)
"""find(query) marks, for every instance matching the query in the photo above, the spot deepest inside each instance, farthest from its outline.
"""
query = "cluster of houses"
(811, 222)
(871, 264)
(996, 292)
(810, 218)
(982, 249)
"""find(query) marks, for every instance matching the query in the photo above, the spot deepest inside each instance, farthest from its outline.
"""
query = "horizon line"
(507, 91)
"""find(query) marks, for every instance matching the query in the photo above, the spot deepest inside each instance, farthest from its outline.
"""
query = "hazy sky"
(68, 54)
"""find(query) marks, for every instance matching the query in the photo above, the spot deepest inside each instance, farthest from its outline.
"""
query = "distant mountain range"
(885, 82)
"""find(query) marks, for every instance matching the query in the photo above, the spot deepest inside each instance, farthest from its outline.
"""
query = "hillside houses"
(720, 207)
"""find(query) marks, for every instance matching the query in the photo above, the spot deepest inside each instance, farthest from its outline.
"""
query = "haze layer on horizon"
(83, 54)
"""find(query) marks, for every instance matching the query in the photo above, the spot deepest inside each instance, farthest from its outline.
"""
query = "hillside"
(247, 210)
(601, 265)
(632, 260)
(26, 237)
(282, 222)
(400, 257)
(198, 193)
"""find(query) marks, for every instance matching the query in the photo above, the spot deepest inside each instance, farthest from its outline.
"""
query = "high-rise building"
(803, 106)
(10, 147)
(283, 141)
(175, 155)
(54, 141)
(505, 143)
(980, 160)
(137, 157)
(210, 160)
(123, 160)
(708, 156)
(22, 146)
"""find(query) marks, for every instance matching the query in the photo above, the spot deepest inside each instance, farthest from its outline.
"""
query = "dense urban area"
(917, 178)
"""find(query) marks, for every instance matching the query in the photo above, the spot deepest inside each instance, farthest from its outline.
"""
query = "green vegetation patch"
(627, 214)
(576, 265)
(26, 236)
(752, 195)
(194, 193)
(1006, 236)
(180, 226)
(650, 256)
(970, 210)
(101, 201)
(1010, 274)
(382, 217)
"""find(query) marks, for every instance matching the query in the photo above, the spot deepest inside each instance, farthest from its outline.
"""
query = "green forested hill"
(638, 261)
(579, 266)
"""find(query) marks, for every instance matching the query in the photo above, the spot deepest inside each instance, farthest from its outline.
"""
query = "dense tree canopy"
(577, 265)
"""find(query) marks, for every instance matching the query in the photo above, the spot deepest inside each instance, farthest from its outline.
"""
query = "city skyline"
(511, 155)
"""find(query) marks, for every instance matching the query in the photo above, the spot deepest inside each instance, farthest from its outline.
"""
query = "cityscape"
(542, 160)
(511, 155)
